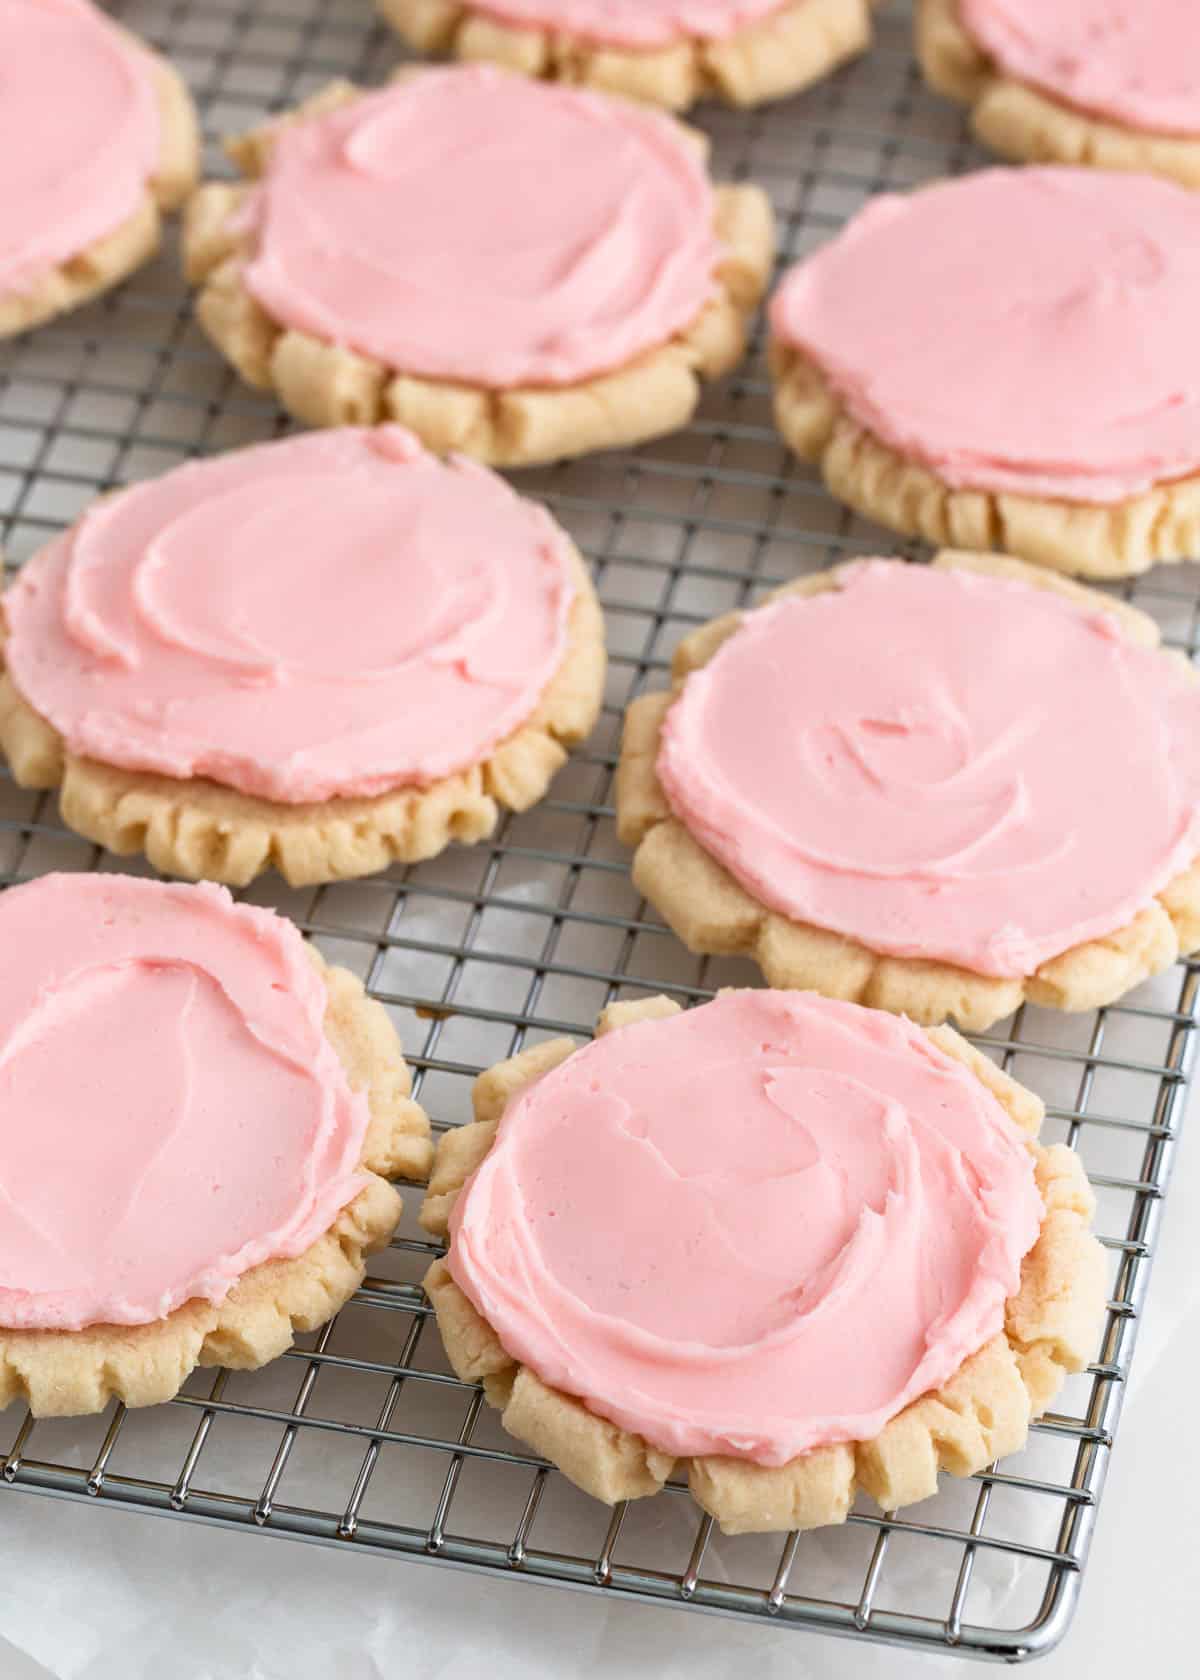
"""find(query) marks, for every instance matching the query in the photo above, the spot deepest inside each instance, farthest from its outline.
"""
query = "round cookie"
(787, 1245)
(1109, 83)
(1025, 379)
(83, 194)
(199, 1122)
(407, 254)
(980, 786)
(667, 52)
(325, 654)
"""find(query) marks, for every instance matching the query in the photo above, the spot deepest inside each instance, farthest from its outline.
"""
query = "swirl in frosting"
(335, 614)
(171, 1110)
(1024, 330)
(79, 134)
(755, 1228)
(467, 224)
(1135, 61)
(940, 764)
(639, 24)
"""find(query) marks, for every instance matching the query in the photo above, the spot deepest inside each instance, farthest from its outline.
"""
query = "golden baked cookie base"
(714, 914)
(1088, 539)
(110, 260)
(1029, 126)
(199, 830)
(782, 53)
(326, 385)
(982, 1413)
(65, 1373)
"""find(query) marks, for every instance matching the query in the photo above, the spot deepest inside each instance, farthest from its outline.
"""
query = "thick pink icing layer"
(756, 1228)
(335, 614)
(1137, 61)
(171, 1111)
(633, 23)
(940, 764)
(67, 182)
(1027, 330)
(472, 225)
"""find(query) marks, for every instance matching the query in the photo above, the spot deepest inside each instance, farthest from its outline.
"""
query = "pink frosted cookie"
(408, 254)
(1027, 376)
(198, 1120)
(1111, 83)
(780, 1238)
(325, 654)
(980, 784)
(81, 194)
(668, 52)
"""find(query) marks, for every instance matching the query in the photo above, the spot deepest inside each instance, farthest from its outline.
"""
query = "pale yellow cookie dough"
(111, 259)
(325, 385)
(202, 831)
(1091, 540)
(1028, 125)
(714, 914)
(65, 1373)
(1051, 1328)
(780, 54)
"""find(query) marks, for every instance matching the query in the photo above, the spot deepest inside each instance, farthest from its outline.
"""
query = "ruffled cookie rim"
(715, 915)
(200, 830)
(106, 262)
(788, 50)
(323, 384)
(71, 1373)
(981, 1414)
(1101, 541)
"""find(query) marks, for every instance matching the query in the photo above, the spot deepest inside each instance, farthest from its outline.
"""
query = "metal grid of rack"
(361, 1436)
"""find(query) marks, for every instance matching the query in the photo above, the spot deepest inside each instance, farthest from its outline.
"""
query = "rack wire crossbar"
(361, 1437)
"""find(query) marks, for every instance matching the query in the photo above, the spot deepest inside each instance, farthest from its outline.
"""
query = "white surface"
(90, 1594)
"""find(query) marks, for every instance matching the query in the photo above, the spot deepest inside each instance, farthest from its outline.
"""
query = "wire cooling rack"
(361, 1436)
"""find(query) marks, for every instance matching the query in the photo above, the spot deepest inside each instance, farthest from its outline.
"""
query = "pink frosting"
(171, 1111)
(467, 224)
(72, 179)
(336, 614)
(1137, 61)
(633, 23)
(1027, 330)
(941, 764)
(753, 1229)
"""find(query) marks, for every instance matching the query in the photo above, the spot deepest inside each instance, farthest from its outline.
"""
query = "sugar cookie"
(199, 1123)
(82, 193)
(792, 1246)
(408, 254)
(667, 52)
(844, 787)
(1110, 83)
(325, 654)
(1027, 376)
